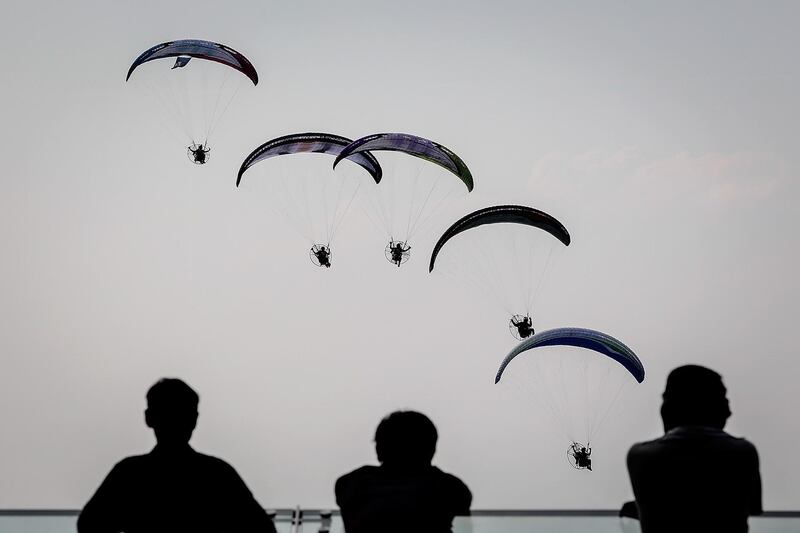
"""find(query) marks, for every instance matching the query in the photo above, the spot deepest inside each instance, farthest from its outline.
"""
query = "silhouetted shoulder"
(345, 480)
(687, 448)
(456, 487)
(216, 463)
(367, 482)
(364, 472)
(131, 462)
(695, 438)
(371, 474)
(126, 469)
(208, 464)
(350, 483)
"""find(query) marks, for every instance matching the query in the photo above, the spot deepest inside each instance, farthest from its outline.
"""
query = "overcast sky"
(663, 136)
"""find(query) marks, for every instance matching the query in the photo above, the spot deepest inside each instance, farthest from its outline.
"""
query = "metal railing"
(300, 520)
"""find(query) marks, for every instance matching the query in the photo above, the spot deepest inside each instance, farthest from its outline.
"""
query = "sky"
(662, 135)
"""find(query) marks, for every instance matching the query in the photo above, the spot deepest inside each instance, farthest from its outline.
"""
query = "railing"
(300, 520)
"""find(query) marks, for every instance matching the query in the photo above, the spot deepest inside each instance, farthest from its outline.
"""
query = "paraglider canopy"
(322, 143)
(514, 214)
(412, 145)
(582, 338)
(187, 48)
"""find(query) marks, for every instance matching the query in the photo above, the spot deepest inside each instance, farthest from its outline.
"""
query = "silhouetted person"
(582, 456)
(200, 154)
(696, 478)
(398, 252)
(323, 255)
(524, 326)
(405, 493)
(173, 488)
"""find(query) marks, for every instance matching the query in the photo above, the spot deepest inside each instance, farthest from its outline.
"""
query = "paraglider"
(398, 252)
(504, 258)
(579, 374)
(521, 327)
(411, 199)
(320, 255)
(196, 99)
(579, 456)
(199, 154)
(313, 198)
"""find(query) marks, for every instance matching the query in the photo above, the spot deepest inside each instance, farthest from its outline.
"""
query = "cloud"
(728, 179)
(714, 178)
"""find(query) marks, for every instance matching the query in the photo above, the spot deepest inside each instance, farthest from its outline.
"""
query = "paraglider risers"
(397, 252)
(320, 255)
(199, 154)
(521, 326)
(579, 456)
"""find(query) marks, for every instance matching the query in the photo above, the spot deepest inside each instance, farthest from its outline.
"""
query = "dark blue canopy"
(511, 214)
(582, 338)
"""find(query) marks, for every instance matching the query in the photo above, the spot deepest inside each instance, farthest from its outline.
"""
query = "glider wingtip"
(468, 179)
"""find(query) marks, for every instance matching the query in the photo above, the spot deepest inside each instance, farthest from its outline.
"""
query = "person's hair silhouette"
(173, 488)
(171, 411)
(406, 493)
(695, 478)
(407, 439)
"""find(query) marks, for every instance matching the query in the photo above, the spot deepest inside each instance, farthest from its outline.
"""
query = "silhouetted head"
(694, 396)
(406, 439)
(171, 411)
